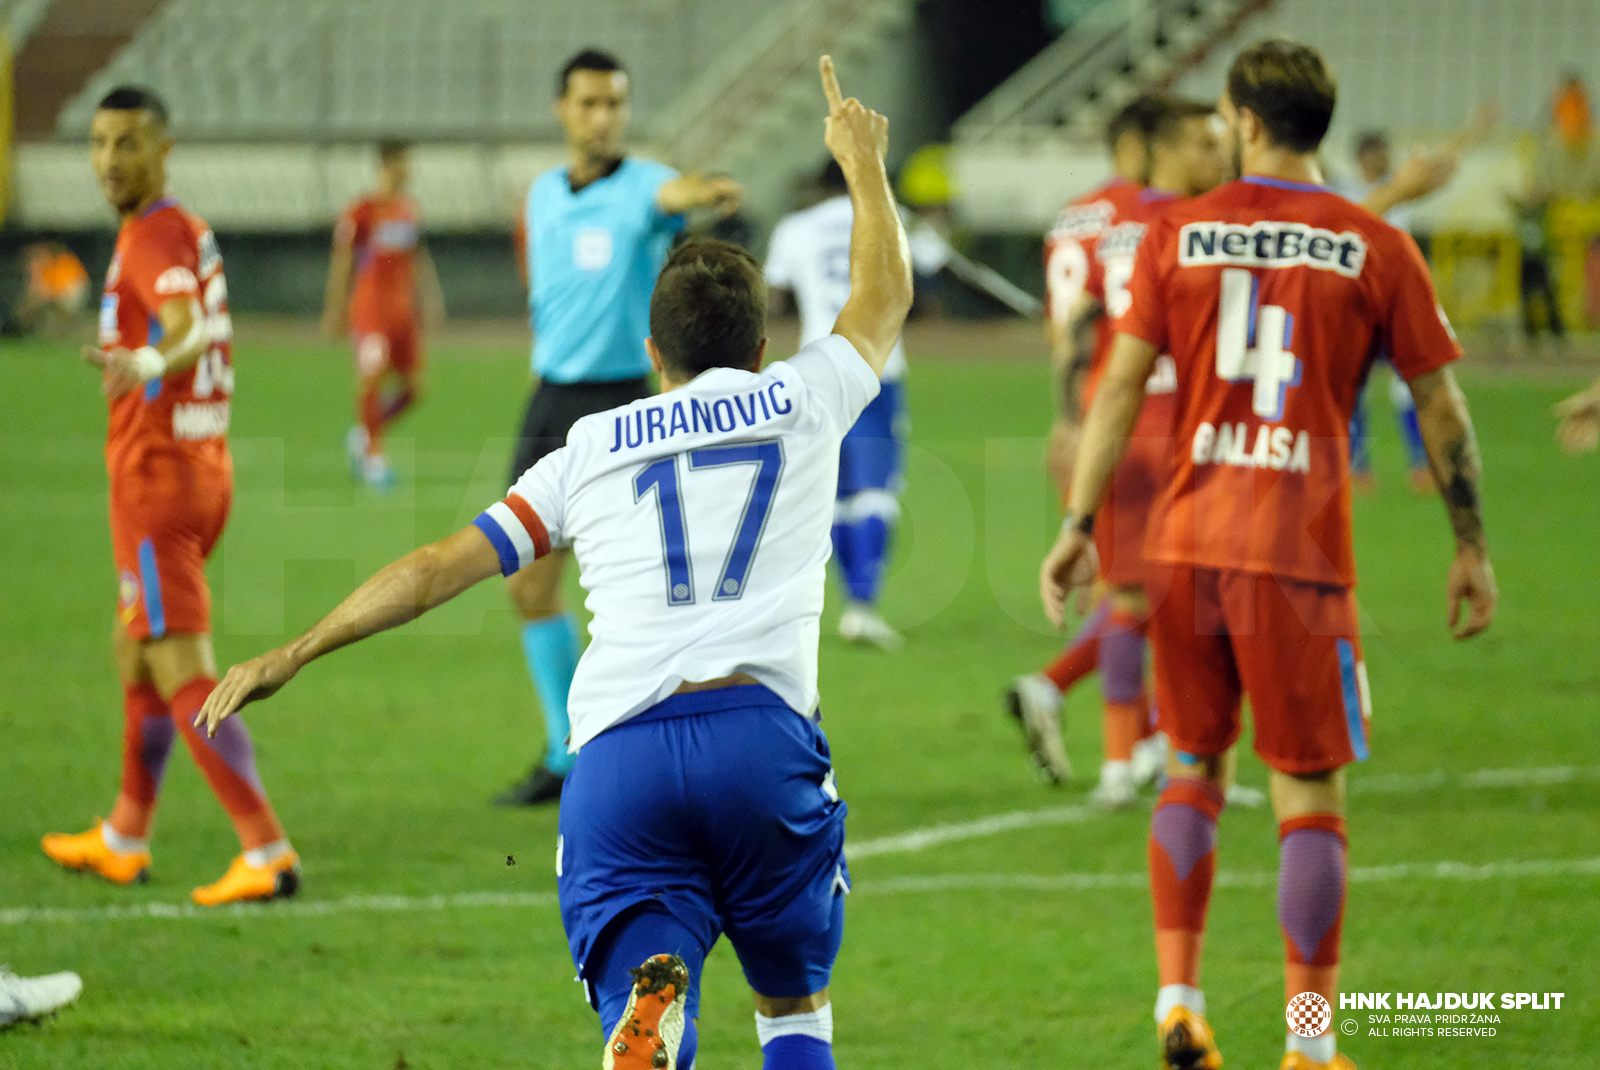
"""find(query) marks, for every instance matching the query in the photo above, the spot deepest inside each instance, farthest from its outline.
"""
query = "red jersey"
(1071, 266)
(1273, 297)
(161, 255)
(382, 232)
(1091, 250)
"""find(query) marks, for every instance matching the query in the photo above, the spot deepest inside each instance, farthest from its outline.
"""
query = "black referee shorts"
(555, 407)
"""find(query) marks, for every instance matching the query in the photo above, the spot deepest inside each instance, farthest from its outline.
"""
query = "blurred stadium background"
(997, 110)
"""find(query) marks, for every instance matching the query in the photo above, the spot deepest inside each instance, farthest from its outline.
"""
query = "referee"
(598, 231)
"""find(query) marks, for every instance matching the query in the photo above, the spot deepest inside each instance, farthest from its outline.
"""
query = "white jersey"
(700, 519)
(810, 254)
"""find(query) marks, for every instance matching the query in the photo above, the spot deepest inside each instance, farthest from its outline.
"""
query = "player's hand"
(1472, 582)
(853, 132)
(1071, 563)
(245, 683)
(1421, 175)
(1579, 429)
(118, 371)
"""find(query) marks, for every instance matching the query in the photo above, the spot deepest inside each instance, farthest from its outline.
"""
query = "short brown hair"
(1139, 116)
(1290, 89)
(1178, 110)
(709, 308)
(389, 148)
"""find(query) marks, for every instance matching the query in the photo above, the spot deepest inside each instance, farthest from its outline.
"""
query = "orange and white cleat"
(1295, 1060)
(244, 883)
(1187, 1043)
(88, 850)
(651, 1029)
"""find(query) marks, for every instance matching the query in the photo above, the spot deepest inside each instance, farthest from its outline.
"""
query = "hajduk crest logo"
(1309, 1015)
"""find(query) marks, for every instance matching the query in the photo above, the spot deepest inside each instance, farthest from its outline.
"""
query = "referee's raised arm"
(880, 258)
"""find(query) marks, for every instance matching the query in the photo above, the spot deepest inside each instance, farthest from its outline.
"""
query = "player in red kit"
(1273, 295)
(167, 375)
(381, 288)
(1076, 284)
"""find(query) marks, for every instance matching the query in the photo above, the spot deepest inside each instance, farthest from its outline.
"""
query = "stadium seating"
(319, 69)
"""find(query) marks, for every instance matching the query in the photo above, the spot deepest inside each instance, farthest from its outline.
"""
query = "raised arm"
(1579, 429)
(1453, 455)
(1071, 561)
(396, 594)
(880, 257)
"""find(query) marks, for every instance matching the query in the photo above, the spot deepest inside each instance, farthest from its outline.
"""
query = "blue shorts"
(872, 452)
(719, 806)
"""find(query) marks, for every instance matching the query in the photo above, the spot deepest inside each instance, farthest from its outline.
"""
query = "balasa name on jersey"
(1271, 245)
(1277, 448)
(660, 422)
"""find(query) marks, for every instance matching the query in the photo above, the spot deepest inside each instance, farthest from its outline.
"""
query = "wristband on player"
(148, 363)
(1082, 524)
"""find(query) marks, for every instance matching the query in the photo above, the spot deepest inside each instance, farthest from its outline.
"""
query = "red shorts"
(161, 534)
(388, 347)
(1292, 647)
(1120, 522)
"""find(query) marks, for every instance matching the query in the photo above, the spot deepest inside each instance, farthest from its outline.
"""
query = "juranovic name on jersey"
(666, 503)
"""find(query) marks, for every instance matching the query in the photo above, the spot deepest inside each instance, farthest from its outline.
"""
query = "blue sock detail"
(843, 552)
(1411, 432)
(649, 929)
(796, 1052)
(861, 565)
(551, 647)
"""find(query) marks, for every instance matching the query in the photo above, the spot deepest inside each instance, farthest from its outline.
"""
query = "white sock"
(817, 1023)
(122, 845)
(1116, 771)
(1319, 1049)
(1171, 996)
(267, 853)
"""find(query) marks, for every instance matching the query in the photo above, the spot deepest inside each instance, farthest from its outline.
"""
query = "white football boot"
(26, 999)
(861, 625)
(1035, 703)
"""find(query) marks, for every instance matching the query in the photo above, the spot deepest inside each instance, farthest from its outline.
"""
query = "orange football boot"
(243, 882)
(1295, 1060)
(651, 1029)
(88, 850)
(1187, 1043)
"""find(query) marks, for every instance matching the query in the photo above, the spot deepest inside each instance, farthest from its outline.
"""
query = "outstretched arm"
(396, 594)
(1453, 455)
(698, 191)
(880, 257)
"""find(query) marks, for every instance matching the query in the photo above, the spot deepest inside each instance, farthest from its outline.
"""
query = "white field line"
(1405, 872)
(1409, 872)
(921, 839)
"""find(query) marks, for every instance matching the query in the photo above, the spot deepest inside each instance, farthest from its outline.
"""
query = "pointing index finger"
(830, 84)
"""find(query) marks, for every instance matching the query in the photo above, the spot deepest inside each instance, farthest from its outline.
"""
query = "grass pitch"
(381, 758)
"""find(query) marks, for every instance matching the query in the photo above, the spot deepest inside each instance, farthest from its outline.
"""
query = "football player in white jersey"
(702, 798)
(810, 256)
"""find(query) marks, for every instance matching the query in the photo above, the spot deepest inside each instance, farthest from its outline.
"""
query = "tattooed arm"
(1453, 455)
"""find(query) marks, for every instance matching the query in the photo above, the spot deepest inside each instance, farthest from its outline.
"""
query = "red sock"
(1311, 895)
(370, 410)
(1083, 655)
(229, 763)
(1183, 864)
(146, 743)
(1125, 724)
